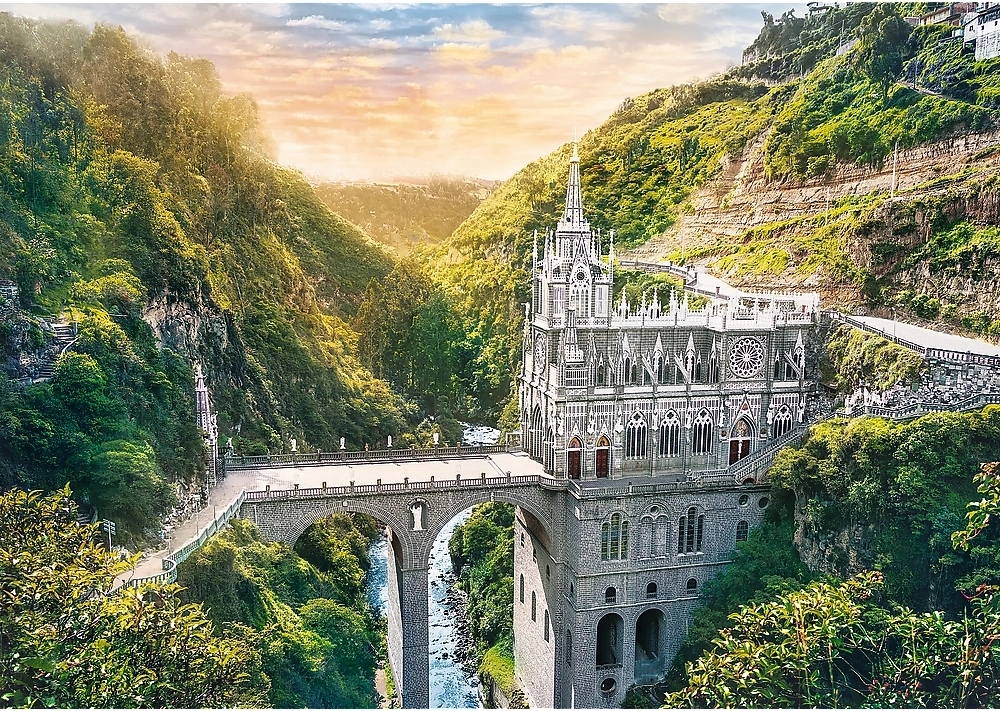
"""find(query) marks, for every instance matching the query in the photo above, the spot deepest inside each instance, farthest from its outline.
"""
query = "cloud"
(316, 21)
(477, 31)
(371, 92)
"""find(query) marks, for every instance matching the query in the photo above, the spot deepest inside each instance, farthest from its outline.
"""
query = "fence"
(171, 561)
(316, 459)
(939, 353)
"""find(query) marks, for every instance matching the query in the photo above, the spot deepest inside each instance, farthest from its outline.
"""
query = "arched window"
(651, 591)
(614, 538)
(702, 441)
(628, 373)
(522, 587)
(601, 374)
(670, 435)
(546, 625)
(740, 440)
(778, 370)
(659, 369)
(713, 366)
(610, 596)
(653, 533)
(692, 585)
(635, 437)
(690, 532)
(782, 422)
(742, 531)
(697, 370)
(534, 603)
(569, 648)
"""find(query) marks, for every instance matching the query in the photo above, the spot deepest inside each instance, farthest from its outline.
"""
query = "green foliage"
(405, 216)
(835, 646)
(316, 635)
(130, 181)
(898, 491)
(482, 556)
(497, 668)
(865, 359)
(882, 37)
(115, 421)
(67, 642)
(763, 566)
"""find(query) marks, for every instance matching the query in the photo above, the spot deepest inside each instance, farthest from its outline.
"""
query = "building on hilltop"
(651, 410)
(982, 28)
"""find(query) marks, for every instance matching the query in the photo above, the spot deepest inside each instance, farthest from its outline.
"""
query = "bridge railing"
(405, 485)
(237, 463)
(171, 561)
(915, 409)
(939, 353)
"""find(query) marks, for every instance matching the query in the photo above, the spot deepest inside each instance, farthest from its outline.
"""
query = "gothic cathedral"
(654, 411)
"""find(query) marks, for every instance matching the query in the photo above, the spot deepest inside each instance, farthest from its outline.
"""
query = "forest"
(142, 205)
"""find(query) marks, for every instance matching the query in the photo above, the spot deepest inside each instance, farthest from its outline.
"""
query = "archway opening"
(740, 440)
(574, 458)
(649, 630)
(610, 633)
(602, 458)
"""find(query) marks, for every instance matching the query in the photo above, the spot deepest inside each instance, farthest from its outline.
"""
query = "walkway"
(309, 475)
(925, 338)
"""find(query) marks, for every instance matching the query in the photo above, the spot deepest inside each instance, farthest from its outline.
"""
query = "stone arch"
(383, 514)
(443, 514)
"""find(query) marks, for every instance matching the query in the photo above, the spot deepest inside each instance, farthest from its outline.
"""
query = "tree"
(882, 37)
(67, 641)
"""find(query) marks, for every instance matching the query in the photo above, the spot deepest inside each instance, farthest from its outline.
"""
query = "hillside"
(733, 174)
(140, 202)
(405, 215)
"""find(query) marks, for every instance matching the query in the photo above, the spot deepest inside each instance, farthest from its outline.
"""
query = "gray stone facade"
(647, 410)
(652, 425)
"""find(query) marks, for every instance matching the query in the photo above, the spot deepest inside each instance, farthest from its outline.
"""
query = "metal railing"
(313, 459)
(916, 409)
(171, 561)
(939, 353)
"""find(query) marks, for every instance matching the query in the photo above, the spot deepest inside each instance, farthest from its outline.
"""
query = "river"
(451, 685)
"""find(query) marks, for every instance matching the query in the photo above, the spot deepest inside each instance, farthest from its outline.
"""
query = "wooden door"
(602, 462)
(574, 463)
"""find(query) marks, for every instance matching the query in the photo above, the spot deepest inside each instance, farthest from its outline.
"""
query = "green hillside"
(643, 168)
(141, 202)
(404, 216)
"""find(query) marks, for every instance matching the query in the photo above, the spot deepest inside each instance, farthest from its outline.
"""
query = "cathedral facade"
(647, 409)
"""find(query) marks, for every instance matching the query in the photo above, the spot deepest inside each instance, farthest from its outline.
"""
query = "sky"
(375, 92)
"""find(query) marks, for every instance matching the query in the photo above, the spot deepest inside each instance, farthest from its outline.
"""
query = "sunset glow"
(353, 92)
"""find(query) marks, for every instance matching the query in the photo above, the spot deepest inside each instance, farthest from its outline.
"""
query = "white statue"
(417, 509)
(294, 445)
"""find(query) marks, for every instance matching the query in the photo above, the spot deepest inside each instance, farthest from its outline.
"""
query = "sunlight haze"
(372, 92)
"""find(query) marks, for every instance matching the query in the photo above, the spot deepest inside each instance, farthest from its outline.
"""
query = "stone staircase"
(64, 336)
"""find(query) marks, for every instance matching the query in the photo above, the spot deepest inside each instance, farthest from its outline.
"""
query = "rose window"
(746, 358)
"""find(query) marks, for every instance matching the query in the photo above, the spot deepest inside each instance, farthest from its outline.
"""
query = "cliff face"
(935, 181)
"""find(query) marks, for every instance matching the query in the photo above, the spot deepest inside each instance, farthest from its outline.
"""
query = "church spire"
(574, 200)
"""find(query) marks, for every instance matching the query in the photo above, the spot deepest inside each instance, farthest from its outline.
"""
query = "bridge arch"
(383, 514)
(519, 497)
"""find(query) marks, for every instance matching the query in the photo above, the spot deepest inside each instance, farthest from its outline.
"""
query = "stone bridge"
(415, 494)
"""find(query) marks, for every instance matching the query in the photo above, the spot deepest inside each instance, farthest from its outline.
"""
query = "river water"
(451, 685)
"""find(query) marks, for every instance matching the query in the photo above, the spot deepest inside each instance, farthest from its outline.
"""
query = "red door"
(574, 464)
(602, 462)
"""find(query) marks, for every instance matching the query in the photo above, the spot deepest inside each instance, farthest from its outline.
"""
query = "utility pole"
(895, 159)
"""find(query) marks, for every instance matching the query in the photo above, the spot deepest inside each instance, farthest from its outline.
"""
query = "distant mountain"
(407, 212)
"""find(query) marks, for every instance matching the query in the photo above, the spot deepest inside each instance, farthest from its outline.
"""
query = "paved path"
(927, 338)
(307, 477)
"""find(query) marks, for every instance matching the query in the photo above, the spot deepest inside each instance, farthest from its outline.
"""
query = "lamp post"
(109, 526)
